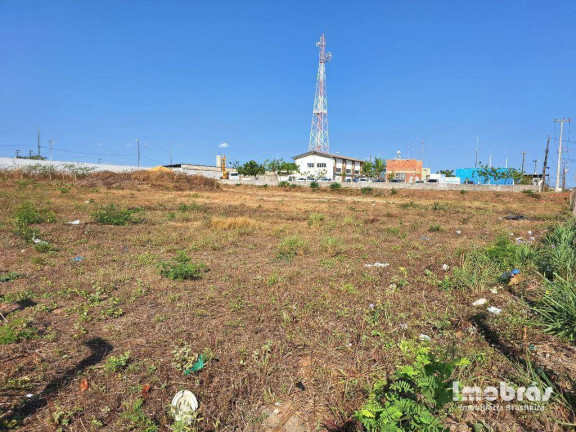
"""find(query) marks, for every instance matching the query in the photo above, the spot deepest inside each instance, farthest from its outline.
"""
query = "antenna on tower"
(319, 129)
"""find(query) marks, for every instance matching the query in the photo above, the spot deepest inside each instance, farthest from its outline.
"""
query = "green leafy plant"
(112, 215)
(415, 397)
(29, 214)
(367, 190)
(314, 185)
(137, 419)
(17, 330)
(117, 363)
(283, 184)
(335, 186)
(182, 268)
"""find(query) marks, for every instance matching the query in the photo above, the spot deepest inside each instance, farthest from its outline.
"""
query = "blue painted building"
(470, 175)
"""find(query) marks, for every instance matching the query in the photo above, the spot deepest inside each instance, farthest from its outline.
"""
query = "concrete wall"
(13, 163)
(388, 186)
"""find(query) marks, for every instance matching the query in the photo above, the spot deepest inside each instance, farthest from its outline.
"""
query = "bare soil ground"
(281, 313)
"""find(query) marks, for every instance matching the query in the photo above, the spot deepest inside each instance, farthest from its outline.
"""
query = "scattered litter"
(515, 217)
(494, 290)
(425, 338)
(424, 238)
(403, 326)
(29, 395)
(198, 366)
(532, 238)
(494, 310)
(510, 274)
(300, 386)
(445, 267)
(74, 222)
(87, 202)
(184, 404)
(38, 241)
(377, 264)
(77, 258)
(392, 286)
(83, 384)
(479, 302)
(371, 305)
(458, 232)
(530, 233)
(145, 392)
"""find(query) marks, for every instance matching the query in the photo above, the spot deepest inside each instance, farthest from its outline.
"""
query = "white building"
(333, 166)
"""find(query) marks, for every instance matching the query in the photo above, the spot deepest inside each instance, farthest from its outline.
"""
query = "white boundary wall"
(15, 163)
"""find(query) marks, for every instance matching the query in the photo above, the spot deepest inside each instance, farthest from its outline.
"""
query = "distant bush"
(435, 228)
(182, 268)
(531, 193)
(393, 191)
(366, 190)
(316, 219)
(192, 207)
(335, 186)
(314, 185)
(283, 183)
(112, 215)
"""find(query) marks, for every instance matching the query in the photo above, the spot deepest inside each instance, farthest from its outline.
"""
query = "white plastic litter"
(458, 232)
(494, 310)
(445, 267)
(74, 222)
(184, 404)
(392, 286)
(529, 233)
(494, 290)
(424, 337)
(479, 302)
(377, 264)
(38, 241)
(403, 326)
(29, 395)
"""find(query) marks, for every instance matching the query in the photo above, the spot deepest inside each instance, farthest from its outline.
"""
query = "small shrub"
(332, 245)
(112, 215)
(117, 363)
(44, 247)
(531, 193)
(283, 184)
(192, 207)
(182, 268)
(292, 246)
(367, 190)
(463, 191)
(435, 228)
(316, 219)
(29, 214)
(17, 330)
(314, 185)
(393, 191)
(137, 419)
(415, 397)
(335, 186)
(9, 276)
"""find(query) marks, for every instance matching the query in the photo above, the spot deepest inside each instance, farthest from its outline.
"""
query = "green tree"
(447, 173)
(280, 166)
(250, 168)
(379, 166)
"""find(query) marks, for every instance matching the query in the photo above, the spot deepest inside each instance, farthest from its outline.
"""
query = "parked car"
(364, 180)
(234, 176)
(301, 179)
(325, 179)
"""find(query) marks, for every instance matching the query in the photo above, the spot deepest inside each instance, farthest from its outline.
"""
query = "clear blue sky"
(96, 75)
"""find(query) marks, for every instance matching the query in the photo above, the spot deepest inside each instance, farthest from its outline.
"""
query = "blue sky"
(96, 75)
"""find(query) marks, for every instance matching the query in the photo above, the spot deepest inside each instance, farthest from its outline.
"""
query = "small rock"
(494, 290)
(479, 302)
(392, 286)
(425, 338)
(445, 267)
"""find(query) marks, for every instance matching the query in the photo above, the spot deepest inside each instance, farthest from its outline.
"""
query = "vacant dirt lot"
(284, 312)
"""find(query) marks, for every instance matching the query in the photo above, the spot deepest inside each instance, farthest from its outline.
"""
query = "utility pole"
(564, 171)
(535, 164)
(38, 142)
(51, 142)
(138, 145)
(17, 153)
(170, 155)
(523, 157)
(506, 165)
(490, 162)
(422, 149)
(545, 162)
(561, 121)
(476, 158)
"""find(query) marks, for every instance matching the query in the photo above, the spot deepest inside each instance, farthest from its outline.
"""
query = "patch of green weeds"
(113, 215)
(182, 268)
(117, 363)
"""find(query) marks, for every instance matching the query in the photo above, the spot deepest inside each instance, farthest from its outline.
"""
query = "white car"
(364, 180)
(301, 179)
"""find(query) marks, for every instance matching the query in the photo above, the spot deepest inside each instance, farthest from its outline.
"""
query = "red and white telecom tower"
(319, 129)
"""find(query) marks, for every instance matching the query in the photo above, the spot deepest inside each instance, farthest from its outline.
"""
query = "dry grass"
(220, 223)
(287, 299)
